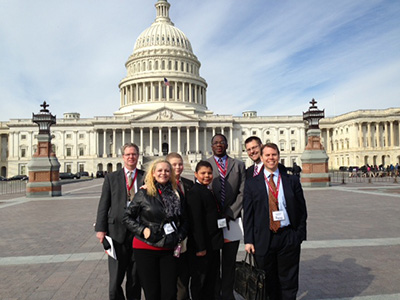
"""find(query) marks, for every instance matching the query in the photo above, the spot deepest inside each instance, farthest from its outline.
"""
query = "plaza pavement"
(48, 249)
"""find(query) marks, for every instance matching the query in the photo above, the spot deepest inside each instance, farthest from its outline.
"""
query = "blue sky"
(264, 55)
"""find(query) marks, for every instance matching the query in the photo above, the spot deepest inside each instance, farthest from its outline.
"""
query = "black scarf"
(172, 203)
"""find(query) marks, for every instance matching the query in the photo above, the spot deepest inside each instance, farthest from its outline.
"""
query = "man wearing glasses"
(228, 186)
(119, 188)
(253, 148)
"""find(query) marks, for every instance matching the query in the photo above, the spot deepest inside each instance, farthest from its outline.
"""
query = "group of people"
(178, 239)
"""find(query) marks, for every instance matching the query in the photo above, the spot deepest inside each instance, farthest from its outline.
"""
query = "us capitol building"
(163, 116)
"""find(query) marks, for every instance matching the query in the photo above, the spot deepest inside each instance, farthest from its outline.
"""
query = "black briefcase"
(249, 280)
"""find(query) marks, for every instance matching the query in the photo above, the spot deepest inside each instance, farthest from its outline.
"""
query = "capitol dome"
(162, 69)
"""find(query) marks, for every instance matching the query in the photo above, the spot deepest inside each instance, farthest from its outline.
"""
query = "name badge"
(221, 223)
(278, 215)
(168, 229)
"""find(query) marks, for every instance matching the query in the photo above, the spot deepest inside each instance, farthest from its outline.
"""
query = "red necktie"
(273, 205)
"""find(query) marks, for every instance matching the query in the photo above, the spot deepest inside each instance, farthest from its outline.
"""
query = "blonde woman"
(156, 217)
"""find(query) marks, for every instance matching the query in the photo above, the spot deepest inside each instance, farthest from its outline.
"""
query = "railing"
(12, 187)
(363, 177)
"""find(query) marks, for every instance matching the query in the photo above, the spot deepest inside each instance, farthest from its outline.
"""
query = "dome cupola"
(162, 70)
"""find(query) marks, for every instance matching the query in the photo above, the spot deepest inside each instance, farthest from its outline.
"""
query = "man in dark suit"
(119, 188)
(253, 148)
(228, 186)
(275, 217)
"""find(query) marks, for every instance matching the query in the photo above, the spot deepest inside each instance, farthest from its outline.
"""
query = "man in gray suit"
(119, 188)
(228, 186)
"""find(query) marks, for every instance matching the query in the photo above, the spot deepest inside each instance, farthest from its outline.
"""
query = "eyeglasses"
(252, 149)
(219, 143)
(131, 154)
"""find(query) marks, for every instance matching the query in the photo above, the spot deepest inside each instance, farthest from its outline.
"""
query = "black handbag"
(249, 280)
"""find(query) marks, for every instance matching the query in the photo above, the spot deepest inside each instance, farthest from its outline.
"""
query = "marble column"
(104, 142)
(97, 143)
(190, 93)
(146, 92)
(183, 92)
(386, 134)
(141, 140)
(378, 135)
(159, 91)
(160, 141)
(187, 139)
(169, 140)
(369, 137)
(151, 141)
(114, 148)
(167, 92)
(197, 139)
(205, 141)
(179, 139)
(391, 134)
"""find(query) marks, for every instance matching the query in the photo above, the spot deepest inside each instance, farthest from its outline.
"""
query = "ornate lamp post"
(314, 158)
(44, 166)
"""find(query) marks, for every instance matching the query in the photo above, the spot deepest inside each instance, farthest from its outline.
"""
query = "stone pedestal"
(43, 171)
(314, 162)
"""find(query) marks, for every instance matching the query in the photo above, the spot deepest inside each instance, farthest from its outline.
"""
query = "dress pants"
(157, 272)
(224, 287)
(204, 273)
(281, 264)
(183, 277)
(118, 268)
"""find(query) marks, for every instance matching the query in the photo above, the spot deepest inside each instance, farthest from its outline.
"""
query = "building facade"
(163, 108)
(362, 137)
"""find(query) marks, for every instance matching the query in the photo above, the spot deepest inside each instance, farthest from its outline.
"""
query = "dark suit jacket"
(203, 214)
(112, 204)
(234, 186)
(187, 184)
(256, 210)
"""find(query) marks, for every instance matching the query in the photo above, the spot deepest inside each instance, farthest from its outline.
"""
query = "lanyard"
(277, 187)
(127, 181)
(221, 170)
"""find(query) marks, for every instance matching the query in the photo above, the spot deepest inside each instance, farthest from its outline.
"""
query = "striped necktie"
(222, 179)
(255, 173)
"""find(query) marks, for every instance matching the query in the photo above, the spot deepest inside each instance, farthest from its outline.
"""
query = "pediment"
(164, 114)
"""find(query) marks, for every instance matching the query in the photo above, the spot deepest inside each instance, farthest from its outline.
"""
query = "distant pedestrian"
(296, 169)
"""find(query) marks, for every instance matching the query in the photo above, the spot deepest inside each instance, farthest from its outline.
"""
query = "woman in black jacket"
(156, 217)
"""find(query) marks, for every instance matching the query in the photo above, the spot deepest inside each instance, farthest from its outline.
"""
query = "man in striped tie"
(228, 185)
(253, 146)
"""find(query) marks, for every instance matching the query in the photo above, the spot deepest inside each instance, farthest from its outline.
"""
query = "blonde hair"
(149, 179)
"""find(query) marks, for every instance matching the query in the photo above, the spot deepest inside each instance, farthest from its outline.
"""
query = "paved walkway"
(48, 249)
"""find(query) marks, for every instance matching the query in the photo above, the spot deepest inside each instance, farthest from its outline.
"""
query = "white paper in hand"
(111, 251)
